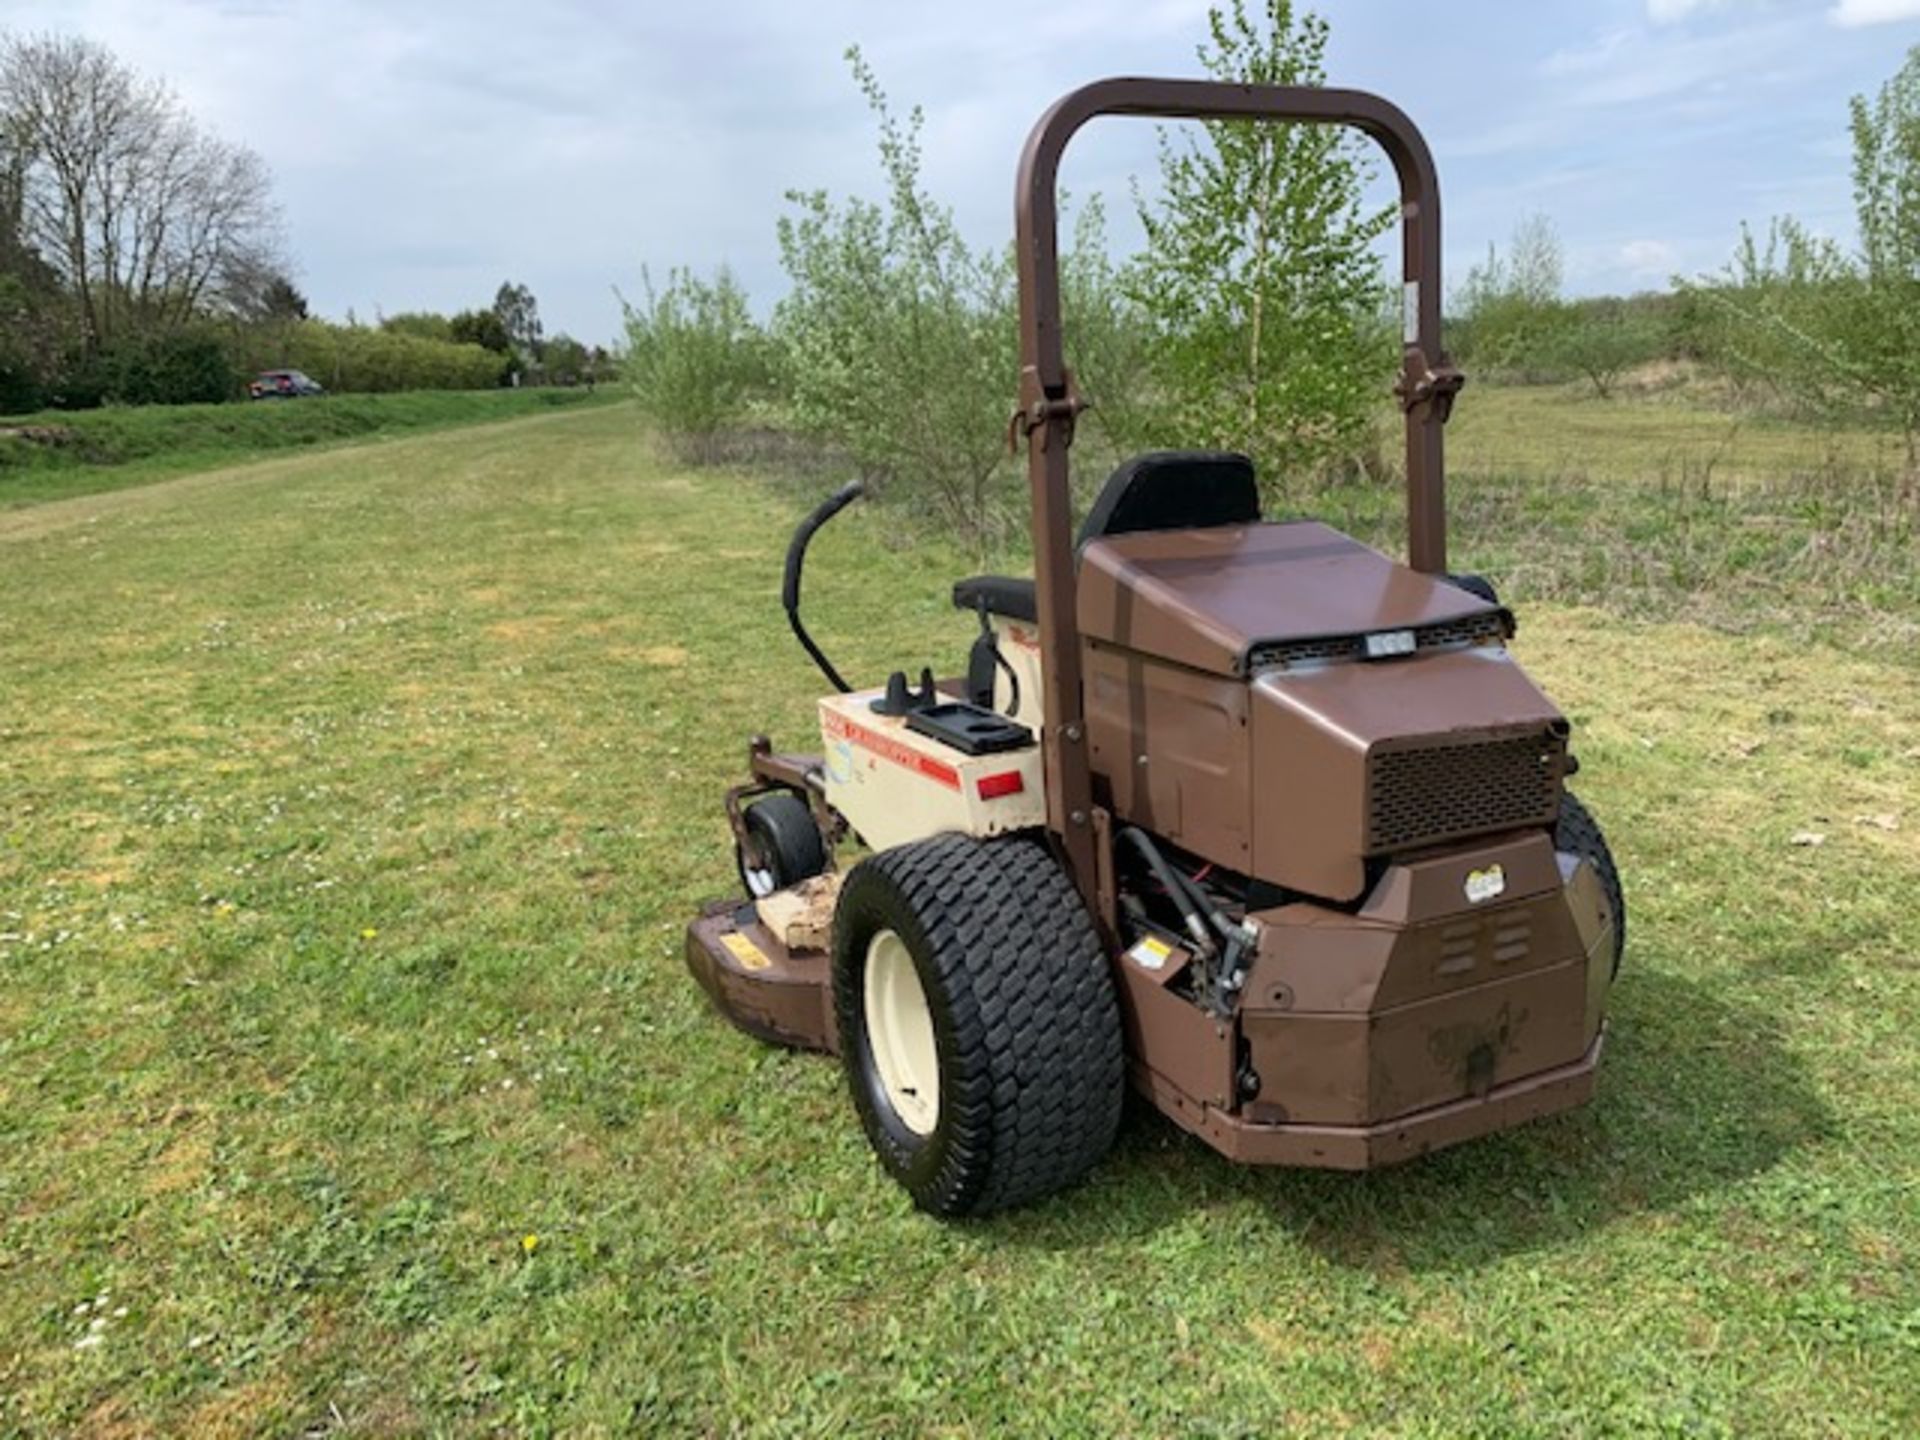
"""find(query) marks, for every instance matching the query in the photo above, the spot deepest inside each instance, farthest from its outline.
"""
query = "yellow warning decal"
(1150, 953)
(750, 955)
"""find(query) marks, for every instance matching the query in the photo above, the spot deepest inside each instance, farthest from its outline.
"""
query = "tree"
(144, 218)
(694, 356)
(1258, 272)
(32, 332)
(887, 300)
(265, 295)
(1509, 312)
(519, 317)
(566, 360)
(1834, 332)
(483, 328)
(423, 324)
(1602, 339)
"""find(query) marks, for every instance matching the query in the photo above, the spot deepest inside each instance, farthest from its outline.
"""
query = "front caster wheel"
(791, 849)
(978, 1024)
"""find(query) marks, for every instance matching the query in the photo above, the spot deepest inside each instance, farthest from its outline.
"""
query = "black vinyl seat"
(1160, 490)
(1008, 595)
(1174, 490)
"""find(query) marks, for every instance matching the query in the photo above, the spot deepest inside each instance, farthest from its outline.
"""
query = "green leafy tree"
(483, 328)
(519, 315)
(421, 323)
(1259, 273)
(1601, 340)
(1109, 344)
(1508, 312)
(695, 359)
(566, 360)
(889, 300)
(349, 358)
(1835, 332)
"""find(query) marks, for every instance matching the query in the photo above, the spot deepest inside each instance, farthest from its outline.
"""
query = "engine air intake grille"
(1428, 794)
(1487, 628)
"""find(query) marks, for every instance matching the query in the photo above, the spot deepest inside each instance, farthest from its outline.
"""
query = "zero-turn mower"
(1240, 812)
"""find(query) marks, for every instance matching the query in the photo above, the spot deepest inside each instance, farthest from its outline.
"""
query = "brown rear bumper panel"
(1365, 1147)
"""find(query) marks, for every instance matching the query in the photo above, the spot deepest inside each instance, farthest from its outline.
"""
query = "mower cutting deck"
(1240, 812)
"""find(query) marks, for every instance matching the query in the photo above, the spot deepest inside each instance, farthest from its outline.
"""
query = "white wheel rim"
(900, 1034)
(759, 881)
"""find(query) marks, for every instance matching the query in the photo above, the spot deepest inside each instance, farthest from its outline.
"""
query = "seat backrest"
(1175, 490)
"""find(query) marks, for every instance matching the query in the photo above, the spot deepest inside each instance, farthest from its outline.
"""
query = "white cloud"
(1649, 259)
(1855, 13)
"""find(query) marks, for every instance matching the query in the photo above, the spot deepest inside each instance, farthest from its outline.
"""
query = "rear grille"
(1487, 628)
(1427, 794)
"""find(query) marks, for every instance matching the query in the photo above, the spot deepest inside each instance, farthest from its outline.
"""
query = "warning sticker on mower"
(750, 955)
(1486, 884)
(1150, 953)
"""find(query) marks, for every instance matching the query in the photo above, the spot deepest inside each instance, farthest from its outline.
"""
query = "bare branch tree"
(146, 219)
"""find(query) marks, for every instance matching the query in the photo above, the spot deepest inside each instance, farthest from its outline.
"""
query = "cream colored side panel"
(895, 786)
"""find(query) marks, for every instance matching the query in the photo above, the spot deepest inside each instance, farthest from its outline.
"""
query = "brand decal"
(887, 748)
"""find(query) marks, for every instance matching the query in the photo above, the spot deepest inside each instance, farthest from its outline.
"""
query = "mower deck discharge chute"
(1240, 812)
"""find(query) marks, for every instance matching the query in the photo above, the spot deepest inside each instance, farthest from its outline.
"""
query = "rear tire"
(1026, 1070)
(790, 844)
(1578, 833)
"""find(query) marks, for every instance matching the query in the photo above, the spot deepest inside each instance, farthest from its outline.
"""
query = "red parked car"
(282, 385)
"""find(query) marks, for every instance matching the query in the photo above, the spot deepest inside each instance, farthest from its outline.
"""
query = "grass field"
(351, 805)
(58, 454)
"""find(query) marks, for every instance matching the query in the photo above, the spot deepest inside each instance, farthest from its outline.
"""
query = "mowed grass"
(56, 454)
(351, 808)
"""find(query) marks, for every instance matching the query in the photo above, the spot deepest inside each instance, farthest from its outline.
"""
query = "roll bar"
(1049, 402)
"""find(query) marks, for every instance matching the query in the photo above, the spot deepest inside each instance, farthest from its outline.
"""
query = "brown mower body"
(1244, 811)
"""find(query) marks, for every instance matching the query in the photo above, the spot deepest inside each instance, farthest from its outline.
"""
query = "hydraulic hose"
(1205, 902)
(1169, 879)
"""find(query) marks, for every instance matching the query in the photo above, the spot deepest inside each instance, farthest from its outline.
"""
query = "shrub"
(351, 358)
(1833, 332)
(694, 357)
(175, 367)
(1601, 339)
(898, 338)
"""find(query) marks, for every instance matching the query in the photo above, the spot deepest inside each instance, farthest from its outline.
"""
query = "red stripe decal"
(888, 748)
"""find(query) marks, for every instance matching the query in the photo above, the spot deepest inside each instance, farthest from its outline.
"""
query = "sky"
(424, 151)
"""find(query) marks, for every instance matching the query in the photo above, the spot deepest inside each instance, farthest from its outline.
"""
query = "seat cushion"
(1175, 490)
(1160, 490)
(1008, 595)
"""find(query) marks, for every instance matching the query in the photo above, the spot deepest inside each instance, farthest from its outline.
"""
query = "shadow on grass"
(1697, 1092)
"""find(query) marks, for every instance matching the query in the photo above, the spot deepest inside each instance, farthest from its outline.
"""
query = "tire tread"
(1032, 1097)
